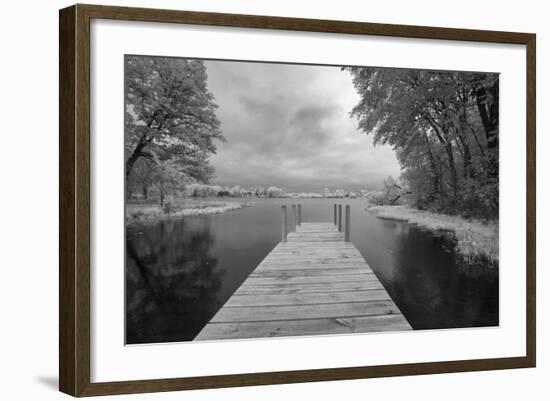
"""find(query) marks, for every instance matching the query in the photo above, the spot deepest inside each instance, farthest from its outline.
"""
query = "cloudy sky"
(289, 126)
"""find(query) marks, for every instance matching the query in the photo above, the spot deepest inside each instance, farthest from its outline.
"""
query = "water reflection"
(433, 287)
(180, 272)
(172, 281)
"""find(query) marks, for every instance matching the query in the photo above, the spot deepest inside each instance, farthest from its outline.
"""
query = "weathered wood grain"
(307, 311)
(308, 288)
(308, 298)
(286, 279)
(330, 271)
(308, 266)
(314, 283)
(283, 328)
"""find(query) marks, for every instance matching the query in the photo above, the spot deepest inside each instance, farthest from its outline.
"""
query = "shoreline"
(137, 214)
(475, 240)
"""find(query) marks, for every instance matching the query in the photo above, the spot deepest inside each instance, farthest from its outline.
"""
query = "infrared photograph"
(274, 200)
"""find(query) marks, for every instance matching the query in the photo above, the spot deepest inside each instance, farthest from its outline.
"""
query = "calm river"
(180, 272)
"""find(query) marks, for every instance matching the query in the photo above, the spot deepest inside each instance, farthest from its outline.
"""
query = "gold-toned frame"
(74, 199)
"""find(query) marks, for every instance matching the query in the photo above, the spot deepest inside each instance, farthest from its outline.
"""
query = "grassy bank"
(137, 213)
(476, 240)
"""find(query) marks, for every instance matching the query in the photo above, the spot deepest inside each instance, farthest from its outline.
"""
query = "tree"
(237, 191)
(203, 191)
(258, 191)
(274, 192)
(141, 178)
(167, 176)
(391, 194)
(170, 114)
(486, 90)
(433, 119)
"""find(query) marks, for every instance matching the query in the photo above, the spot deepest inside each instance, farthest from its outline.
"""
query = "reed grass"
(475, 240)
(150, 213)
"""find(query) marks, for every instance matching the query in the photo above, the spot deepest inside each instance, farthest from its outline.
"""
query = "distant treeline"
(203, 190)
(444, 127)
(197, 190)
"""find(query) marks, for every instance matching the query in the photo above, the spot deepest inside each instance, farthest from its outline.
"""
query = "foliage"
(274, 192)
(444, 127)
(167, 176)
(170, 124)
(393, 193)
(202, 190)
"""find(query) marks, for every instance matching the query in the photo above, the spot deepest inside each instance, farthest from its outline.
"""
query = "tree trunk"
(479, 145)
(135, 156)
(466, 157)
(433, 166)
(463, 137)
(487, 99)
(452, 169)
(144, 191)
(445, 141)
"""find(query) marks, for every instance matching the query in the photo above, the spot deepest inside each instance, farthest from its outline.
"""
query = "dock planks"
(313, 284)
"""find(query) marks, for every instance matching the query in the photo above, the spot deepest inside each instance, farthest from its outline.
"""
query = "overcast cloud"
(289, 126)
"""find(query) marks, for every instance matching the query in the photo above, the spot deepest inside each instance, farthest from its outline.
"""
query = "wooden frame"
(74, 199)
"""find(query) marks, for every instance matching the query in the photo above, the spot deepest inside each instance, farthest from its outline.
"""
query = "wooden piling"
(299, 214)
(335, 215)
(293, 227)
(284, 223)
(340, 218)
(289, 219)
(347, 233)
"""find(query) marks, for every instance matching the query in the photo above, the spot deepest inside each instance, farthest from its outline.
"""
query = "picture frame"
(75, 337)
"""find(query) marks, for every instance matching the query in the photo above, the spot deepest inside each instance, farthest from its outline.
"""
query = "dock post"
(284, 223)
(347, 235)
(299, 214)
(340, 218)
(335, 216)
(293, 217)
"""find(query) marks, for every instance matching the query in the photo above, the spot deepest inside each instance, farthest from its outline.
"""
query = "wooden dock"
(313, 282)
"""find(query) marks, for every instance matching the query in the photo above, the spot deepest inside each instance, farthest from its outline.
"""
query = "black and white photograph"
(276, 199)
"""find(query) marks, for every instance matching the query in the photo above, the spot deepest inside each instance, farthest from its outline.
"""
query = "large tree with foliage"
(170, 121)
(444, 127)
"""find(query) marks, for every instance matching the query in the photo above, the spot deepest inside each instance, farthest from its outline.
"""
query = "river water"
(180, 272)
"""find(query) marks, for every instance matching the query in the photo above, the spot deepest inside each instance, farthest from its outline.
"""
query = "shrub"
(167, 208)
